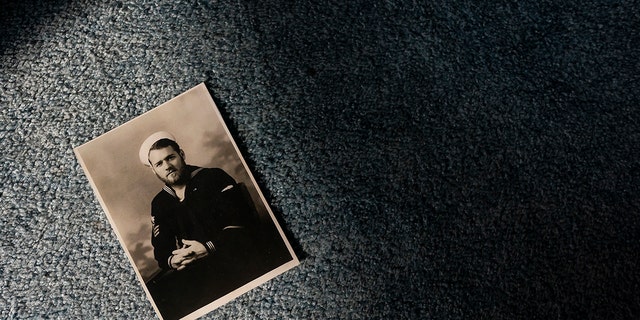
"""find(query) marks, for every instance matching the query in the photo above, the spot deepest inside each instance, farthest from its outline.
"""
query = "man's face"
(168, 164)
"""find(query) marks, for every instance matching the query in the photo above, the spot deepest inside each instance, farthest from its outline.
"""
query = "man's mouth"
(171, 172)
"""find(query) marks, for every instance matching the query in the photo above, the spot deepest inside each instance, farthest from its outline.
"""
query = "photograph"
(185, 207)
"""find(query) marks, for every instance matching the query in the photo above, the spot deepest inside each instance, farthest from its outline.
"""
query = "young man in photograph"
(203, 228)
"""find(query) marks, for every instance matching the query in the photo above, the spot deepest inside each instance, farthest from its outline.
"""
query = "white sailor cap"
(146, 145)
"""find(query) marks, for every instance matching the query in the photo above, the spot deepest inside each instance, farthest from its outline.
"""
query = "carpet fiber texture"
(430, 160)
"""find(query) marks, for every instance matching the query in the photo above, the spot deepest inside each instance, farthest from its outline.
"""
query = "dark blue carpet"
(445, 160)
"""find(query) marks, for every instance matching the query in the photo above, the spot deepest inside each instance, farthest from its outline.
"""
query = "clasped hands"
(190, 252)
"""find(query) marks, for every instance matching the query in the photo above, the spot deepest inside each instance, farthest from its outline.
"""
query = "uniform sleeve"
(221, 179)
(229, 225)
(238, 217)
(163, 238)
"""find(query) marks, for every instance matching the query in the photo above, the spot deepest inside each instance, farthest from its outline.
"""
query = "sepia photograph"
(185, 207)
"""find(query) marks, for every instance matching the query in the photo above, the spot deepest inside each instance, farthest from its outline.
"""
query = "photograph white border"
(197, 90)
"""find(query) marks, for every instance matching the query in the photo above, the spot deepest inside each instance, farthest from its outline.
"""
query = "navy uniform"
(216, 213)
(213, 213)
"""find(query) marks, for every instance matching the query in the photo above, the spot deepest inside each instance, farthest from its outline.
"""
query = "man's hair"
(163, 143)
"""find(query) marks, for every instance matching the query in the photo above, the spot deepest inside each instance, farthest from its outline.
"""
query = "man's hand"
(190, 252)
